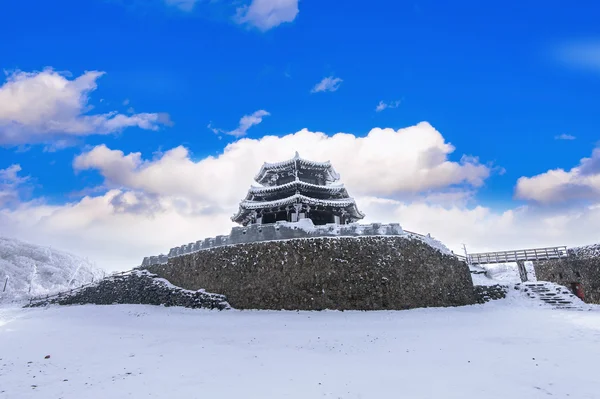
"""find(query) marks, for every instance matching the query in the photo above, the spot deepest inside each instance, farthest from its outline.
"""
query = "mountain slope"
(35, 270)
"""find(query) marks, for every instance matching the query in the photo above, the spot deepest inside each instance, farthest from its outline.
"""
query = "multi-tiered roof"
(296, 189)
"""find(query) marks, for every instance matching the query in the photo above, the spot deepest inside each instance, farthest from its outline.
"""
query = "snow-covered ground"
(505, 349)
(35, 270)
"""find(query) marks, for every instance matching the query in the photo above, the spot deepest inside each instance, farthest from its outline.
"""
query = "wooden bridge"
(483, 258)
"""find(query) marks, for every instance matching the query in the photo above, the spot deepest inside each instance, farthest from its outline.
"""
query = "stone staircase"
(557, 296)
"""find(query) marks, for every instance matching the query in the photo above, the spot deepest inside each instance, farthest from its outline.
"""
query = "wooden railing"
(518, 255)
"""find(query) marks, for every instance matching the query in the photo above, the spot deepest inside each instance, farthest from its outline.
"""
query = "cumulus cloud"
(329, 83)
(44, 106)
(392, 162)
(246, 122)
(564, 136)
(581, 182)
(383, 105)
(267, 14)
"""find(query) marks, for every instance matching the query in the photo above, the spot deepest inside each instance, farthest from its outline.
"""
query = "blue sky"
(499, 81)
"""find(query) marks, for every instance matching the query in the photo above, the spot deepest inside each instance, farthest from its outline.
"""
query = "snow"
(332, 175)
(432, 242)
(503, 272)
(297, 183)
(46, 270)
(482, 279)
(504, 349)
(296, 198)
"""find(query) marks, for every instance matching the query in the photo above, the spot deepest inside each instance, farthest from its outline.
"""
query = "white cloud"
(267, 14)
(484, 229)
(399, 176)
(11, 184)
(246, 122)
(329, 83)
(184, 5)
(392, 162)
(102, 229)
(564, 136)
(559, 186)
(154, 204)
(583, 54)
(382, 105)
(44, 106)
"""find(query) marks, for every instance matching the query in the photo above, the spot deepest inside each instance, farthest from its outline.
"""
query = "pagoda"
(297, 189)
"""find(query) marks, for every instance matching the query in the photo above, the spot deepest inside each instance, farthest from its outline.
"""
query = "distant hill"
(35, 270)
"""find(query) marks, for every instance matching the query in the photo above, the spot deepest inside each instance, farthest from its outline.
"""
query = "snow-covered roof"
(338, 203)
(348, 203)
(271, 168)
(297, 183)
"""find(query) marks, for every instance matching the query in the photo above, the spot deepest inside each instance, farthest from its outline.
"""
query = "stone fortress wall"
(373, 272)
(285, 231)
(299, 266)
(582, 265)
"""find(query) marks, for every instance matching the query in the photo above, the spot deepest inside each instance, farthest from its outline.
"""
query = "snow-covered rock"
(34, 270)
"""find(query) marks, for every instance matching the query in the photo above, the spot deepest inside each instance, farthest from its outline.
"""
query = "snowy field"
(507, 349)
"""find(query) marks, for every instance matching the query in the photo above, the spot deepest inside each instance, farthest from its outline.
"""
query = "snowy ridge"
(34, 270)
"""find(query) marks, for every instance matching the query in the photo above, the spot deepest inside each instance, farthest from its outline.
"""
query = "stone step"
(557, 296)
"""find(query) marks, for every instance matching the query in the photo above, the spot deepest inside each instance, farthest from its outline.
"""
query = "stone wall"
(283, 230)
(576, 268)
(486, 293)
(138, 287)
(366, 273)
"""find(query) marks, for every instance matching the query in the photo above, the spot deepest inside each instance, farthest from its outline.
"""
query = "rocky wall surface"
(280, 230)
(486, 293)
(366, 273)
(138, 287)
(576, 268)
